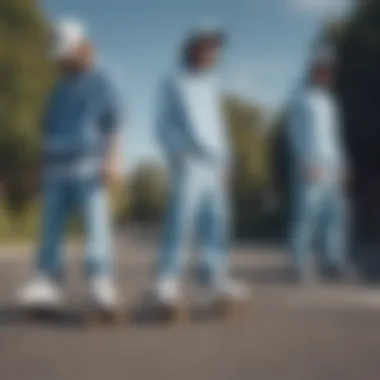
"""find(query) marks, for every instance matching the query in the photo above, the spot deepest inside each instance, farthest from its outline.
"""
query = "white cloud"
(320, 6)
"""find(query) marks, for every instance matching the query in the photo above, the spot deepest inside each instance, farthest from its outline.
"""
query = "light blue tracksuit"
(81, 114)
(319, 208)
(192, 134)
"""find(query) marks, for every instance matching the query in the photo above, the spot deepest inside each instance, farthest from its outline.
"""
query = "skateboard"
(172, 315)
(41, 313)
(225, 310)
(89, 316)
(231, 310)
(94, 316)
(152, 311)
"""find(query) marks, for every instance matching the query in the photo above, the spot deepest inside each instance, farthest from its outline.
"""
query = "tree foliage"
(358, 88)
(251, 177)
(25, 76)
(147, 193)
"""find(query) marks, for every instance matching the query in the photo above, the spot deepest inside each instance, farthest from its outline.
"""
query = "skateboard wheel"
(40, 314)
(105, 317)
(173, 315)
(232, 309)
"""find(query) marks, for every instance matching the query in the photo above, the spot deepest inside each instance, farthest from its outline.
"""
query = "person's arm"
(342, 155)
(113, 153)
(46, 119)
(173, 128)
(110, 125)
(53, 143)
(300, 128)
(45, 130)
(167, 128)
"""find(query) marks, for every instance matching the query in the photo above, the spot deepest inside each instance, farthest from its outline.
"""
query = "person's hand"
(313, 173)
(110, 173)
(345, 182)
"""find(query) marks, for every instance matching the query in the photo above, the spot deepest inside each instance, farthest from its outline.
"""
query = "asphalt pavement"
(314, 332)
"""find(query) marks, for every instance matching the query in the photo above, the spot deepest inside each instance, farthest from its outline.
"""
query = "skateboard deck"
(93, 317)
(89, 316)
(171, 315)
(231, 310)
(150, 311)
(225, 310)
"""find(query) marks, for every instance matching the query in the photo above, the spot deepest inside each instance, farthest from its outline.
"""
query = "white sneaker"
(40, 292)
(103, 292)
(168, 292)
(228, 290)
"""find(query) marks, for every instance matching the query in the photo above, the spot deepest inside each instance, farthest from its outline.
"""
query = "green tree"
(25, 77)
(147, 193)
(251, 180)
(358, 88)
(249, 143)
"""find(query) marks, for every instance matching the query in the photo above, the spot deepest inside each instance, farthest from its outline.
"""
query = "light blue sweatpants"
(197, 214)
(319, 215)
(87, 198)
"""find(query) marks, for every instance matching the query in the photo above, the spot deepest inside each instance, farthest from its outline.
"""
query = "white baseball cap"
(68, 34)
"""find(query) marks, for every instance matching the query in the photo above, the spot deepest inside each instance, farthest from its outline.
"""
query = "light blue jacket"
(190, 119)
(81, 113)
(314, 131)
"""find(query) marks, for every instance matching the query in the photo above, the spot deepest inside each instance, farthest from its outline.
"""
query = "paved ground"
(320, 332)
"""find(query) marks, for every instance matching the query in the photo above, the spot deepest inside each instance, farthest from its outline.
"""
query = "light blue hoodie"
(314, 131)
(190, 120)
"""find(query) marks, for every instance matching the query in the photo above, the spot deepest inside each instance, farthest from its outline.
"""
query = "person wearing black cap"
(192, 133)
(319, 169)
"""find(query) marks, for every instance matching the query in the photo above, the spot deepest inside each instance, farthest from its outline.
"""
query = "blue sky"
(138, 40)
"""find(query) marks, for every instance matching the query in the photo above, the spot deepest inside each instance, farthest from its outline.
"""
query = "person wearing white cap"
(319, 170)
(192, 134)
(80, 156)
